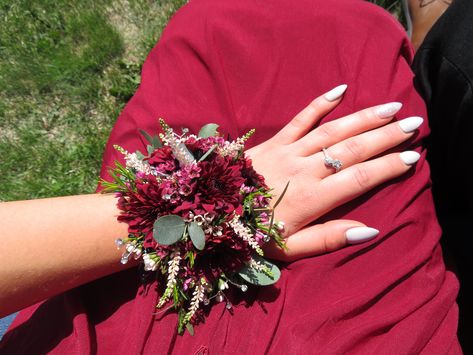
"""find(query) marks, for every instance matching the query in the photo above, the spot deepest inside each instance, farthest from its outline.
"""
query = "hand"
(295, 154)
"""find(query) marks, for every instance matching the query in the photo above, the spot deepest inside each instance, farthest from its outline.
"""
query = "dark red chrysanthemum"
(225, 254)
(140, 208)
(218, 187)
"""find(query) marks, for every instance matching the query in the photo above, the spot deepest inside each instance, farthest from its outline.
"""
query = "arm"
(52, 245)
(60, 243)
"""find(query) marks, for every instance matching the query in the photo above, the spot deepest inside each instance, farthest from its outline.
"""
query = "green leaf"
(190, 329)
(265, 277)
(175, 295)
(139, 155)
(270, 229)
(207, 153)
(197, 235)
(190, 256)
(209, 130)
(153, 140)
(168, 229)
(149, 149)
(281, 196)
(181, 315)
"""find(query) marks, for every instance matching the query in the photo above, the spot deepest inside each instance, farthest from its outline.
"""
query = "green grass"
(67, 67)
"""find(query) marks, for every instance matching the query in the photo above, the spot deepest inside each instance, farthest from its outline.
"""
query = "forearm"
(52, 245)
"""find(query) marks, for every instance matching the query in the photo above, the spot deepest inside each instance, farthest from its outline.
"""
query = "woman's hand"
(295, 155)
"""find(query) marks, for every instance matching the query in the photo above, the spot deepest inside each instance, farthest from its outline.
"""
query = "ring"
(329, 162)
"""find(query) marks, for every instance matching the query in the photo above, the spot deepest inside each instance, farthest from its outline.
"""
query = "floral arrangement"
(198, 215)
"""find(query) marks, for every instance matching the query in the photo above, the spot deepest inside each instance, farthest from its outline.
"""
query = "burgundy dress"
(254, 64)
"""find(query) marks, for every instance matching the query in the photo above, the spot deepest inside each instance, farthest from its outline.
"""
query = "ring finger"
(366, 145)
(337, 130)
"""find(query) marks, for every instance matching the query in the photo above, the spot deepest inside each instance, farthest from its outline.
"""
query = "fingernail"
(336, 93)
(360, 234)
(388, 110)
(409, 157)
(410, 124)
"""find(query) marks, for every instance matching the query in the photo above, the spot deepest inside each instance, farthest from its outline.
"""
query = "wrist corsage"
(198, 215)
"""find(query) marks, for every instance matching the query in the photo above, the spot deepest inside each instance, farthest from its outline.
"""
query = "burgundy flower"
(226, 254)
(161, 155)
(204, 144)
(219, 185)
(163, 160)
(253, 178)
(140, 208)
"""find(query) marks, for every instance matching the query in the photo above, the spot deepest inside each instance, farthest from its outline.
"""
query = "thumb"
(321, 239)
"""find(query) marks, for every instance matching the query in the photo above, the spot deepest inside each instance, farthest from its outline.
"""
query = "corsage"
(198, 215)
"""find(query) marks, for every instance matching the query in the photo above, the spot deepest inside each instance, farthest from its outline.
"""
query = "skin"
(36, 262)
(55, 244)
(352, 139)
(424, 14)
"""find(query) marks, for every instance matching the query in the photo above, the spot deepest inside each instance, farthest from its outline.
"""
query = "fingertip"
(410, 124)
(357, 235)
(409, 157)
(388, 110)
(336, 93)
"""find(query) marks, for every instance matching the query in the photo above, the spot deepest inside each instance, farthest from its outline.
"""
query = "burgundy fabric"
(254, 64)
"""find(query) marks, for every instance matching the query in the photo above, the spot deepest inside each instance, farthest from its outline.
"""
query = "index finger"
(305, 120)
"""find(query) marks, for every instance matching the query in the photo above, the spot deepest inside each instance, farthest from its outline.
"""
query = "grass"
(67, 68)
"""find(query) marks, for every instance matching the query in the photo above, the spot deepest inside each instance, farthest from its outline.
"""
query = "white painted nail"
(410, 124)
(336, 93)
(388, 110)
(360, 234)
(409, 157)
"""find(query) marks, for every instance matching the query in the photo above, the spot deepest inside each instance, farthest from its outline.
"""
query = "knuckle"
(354, 148)
(369, 114)
(392, 166)
(298, 121)
(361, 177)
(327, 131)
(330, 244)
(391, 133)
(313, 106)
(366, 115)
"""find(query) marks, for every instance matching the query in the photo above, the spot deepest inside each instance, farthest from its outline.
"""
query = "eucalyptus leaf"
(259, 277)
(153, 140)
(169, 229)
(197, 235)
(209, 130)
(139, 155)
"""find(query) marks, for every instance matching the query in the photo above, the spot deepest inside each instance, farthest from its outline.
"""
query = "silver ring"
(332, 163)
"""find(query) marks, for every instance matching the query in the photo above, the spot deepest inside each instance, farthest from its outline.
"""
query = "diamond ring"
(333, 163)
